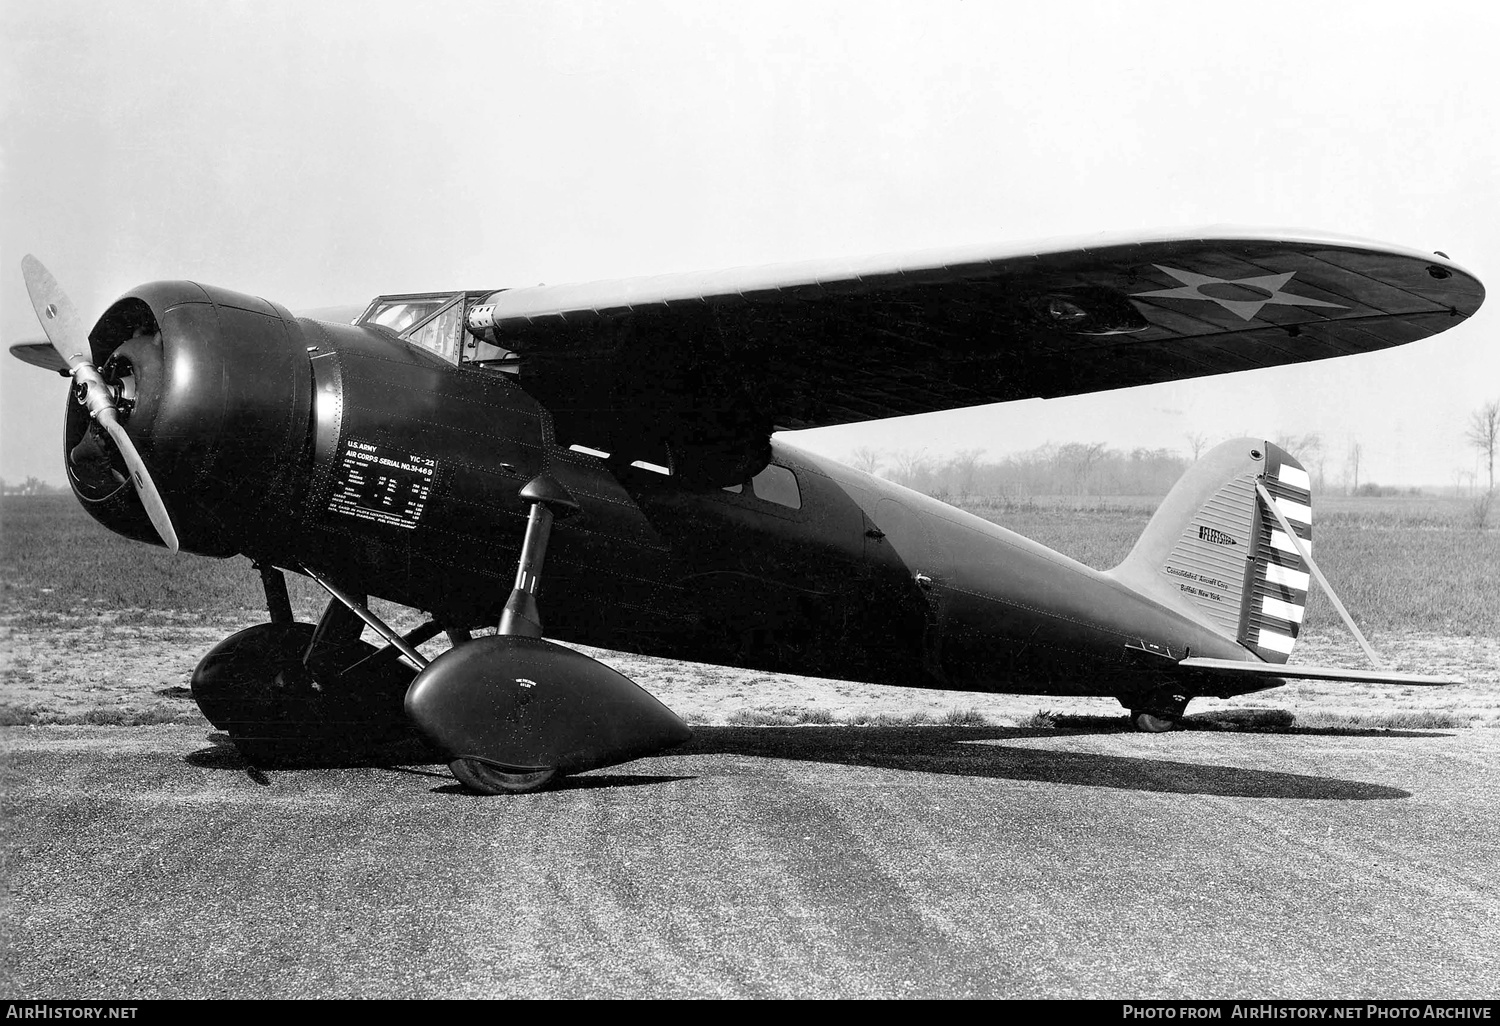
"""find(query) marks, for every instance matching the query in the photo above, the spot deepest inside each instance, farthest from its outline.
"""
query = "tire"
(482, 778)
(1152, 722)
(253, 686)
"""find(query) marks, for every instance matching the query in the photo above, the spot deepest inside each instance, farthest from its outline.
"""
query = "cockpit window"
(777, 484)
(400, 314)
(440, 331)
(436, 321)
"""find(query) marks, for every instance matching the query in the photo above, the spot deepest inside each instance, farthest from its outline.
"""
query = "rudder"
(1215, 550)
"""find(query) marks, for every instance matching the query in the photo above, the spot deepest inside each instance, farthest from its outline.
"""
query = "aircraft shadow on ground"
(1234, 722)
(587, 782)
(407, 757)
(956, 751)
(223, 754)
(974, 752)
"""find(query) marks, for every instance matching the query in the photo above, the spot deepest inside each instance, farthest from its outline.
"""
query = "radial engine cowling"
(215, 391)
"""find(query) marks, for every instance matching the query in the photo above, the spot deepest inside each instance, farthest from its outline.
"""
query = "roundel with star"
(1243, 297)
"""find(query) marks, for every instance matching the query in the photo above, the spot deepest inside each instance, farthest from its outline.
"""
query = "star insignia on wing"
(1242, 297)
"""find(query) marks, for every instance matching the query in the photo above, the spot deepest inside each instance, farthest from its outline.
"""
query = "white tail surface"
(1214, 549)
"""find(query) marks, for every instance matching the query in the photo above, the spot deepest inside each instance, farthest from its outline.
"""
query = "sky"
(321, 153)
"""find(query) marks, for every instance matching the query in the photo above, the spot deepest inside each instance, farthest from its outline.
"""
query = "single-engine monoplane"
(597, 464)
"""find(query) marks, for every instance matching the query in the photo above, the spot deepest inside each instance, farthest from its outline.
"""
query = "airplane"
(607, 451)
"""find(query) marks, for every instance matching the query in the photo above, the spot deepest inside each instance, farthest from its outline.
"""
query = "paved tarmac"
(763, 862)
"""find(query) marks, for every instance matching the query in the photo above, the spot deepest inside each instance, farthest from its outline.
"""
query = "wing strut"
(1306, 555)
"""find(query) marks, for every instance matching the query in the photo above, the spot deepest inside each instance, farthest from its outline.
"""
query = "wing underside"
(739, 353)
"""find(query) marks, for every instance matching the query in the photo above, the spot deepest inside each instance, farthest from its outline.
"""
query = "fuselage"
(809, 567)
(342, 449)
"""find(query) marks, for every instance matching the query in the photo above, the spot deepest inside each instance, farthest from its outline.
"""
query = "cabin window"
(779, 485)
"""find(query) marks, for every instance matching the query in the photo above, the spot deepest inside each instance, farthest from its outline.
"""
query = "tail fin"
(1214, 550)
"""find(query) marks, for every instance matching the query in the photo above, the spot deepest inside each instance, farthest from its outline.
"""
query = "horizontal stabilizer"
(1257, 669)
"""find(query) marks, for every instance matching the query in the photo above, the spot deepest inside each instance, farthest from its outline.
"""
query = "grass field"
(98, 629)
(1408, 563)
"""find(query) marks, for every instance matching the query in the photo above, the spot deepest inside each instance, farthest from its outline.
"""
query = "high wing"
(713, 357)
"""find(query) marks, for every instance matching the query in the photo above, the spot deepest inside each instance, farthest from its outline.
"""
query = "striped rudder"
(1278, 579)
(1213, 549)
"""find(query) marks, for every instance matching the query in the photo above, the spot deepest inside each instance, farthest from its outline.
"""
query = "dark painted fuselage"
(405, 485)
(841, 575)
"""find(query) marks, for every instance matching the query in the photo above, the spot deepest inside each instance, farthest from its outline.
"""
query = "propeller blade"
(145, 488)
(66, 333)
(55, 311)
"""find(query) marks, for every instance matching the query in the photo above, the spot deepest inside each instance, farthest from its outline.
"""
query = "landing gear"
(281, 698)
(522, 619)
(1152, 723)
(515, 712)
(1156, 712)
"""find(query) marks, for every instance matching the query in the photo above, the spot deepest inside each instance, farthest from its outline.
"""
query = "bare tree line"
(1483, 434)
(1095, 469)
(1074, 468)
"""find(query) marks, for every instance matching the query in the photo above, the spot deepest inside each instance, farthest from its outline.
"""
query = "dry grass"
(1403, 563)
(36, 715)
(795, 716)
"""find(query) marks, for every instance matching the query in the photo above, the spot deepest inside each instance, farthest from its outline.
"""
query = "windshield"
(436, 322)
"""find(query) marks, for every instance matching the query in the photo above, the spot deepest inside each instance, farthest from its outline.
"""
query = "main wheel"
(482, 778)
(1152, 722)
(254, 686)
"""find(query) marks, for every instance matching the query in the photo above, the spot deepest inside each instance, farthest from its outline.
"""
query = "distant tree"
(1197, 442)
(963, 466)
(1308, 449)
(1079, 458)
(911, 466)
(864, 458)
(1483, 433)
(1305, 447)
(1356, 451)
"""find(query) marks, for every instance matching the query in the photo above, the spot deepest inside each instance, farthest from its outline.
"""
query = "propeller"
(66, 333)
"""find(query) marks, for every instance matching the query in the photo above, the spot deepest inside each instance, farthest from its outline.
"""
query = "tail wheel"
(1152, 722)
(482, 778)
(1159, 710)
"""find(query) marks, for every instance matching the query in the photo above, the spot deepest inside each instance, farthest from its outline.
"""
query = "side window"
(778, 485)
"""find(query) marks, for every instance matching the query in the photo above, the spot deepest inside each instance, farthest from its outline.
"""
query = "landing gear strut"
(521, 618)
(515, 712)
